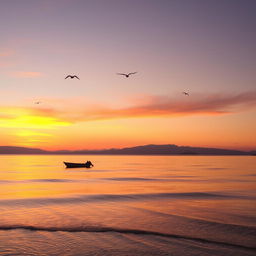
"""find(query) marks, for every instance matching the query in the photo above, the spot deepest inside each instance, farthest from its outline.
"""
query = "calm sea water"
(128, 205)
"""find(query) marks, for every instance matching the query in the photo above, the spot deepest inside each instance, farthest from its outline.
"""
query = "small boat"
(88, 164)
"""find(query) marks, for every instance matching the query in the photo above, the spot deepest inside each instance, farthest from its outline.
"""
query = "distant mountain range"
(139, 150)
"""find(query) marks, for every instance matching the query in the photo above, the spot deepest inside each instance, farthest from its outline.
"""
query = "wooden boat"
(88, 164)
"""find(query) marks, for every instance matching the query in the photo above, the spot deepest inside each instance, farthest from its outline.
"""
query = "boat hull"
(76, 165)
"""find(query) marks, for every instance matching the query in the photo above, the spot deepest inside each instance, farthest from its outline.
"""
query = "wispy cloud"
(6, 59)
(160, 106)
(27, 74)
(148, 106)
(6, 52)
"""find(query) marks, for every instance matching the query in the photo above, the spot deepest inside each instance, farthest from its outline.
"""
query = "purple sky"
(201, 46)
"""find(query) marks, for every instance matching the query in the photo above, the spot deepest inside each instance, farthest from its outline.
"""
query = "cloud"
(6, 59)
(148, 106)
(6, 52)
(160, 106)
(28, 74)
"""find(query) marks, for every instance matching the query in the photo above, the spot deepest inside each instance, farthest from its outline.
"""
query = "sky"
(204, 47)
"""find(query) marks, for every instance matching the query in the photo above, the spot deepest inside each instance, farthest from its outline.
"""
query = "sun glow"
(22, 118)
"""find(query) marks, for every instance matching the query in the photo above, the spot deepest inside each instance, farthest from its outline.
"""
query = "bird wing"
(132, 73)
(67, 76)
(77, 77)
(122, 74)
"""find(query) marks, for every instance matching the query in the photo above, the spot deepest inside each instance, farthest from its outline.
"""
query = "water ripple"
(122, 231)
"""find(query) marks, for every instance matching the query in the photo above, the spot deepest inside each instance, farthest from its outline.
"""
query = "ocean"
(128, 205)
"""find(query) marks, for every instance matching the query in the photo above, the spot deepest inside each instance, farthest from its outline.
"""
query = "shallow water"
(128, 205)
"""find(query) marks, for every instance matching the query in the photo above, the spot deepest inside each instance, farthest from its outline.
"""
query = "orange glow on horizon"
(160, 121)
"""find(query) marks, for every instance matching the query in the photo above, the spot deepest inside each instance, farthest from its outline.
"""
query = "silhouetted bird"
(127, 75)
(186, 93)
(38, 102)
(72, 77)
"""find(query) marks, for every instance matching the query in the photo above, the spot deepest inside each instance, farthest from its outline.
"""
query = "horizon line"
(102, 151)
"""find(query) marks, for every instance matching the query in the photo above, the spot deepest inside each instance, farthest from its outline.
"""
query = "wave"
(126, 179)
(176, 179)
(134, 179)
(122, 231)
(115, 197)
(51, 180)
(37, 180)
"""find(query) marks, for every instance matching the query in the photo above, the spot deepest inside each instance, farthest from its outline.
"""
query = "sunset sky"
(204, 47)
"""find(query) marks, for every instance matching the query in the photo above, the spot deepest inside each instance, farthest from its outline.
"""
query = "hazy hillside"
(20, 150)
(138, 150)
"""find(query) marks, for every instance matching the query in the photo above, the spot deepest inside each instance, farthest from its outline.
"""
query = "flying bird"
(72, 77)
(127, 75)
(186, 93)
(38, 102)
